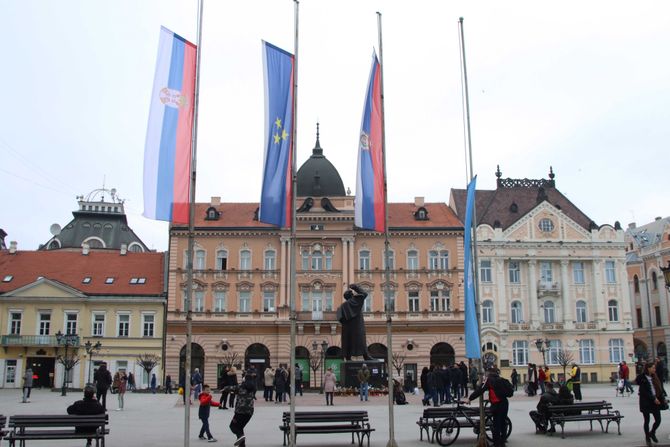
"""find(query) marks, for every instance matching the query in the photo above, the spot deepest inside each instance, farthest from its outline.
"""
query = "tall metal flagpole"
(191, 242)
(481, 440)
(387, 272)
(292, 246)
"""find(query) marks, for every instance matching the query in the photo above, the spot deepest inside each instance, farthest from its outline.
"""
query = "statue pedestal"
(349, 372)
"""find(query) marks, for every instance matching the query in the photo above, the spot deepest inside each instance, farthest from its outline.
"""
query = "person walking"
(120, 383)
(86, 407)
(103, 380)
(464, 378)
(329, 382)
(196, 382)
(268, 383)
(131, 382)
(153, 383)
(652, 399)
(473, 376)
(298, 379)
(456, 378)
(515, 378)
(624, 373)
(27, 384)
(244, 408)
(205, 398)
(542, 379)
(363, 382)
(576, 380)
(661, 370)
(496, 387)
(168, 384)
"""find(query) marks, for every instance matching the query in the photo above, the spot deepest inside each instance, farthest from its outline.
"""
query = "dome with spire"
(317, 177)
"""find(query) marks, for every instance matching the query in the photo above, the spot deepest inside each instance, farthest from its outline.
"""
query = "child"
(203, 412)
(244, 408)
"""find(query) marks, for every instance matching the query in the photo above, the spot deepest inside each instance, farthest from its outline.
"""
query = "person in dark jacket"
(424, 385)
(168, 384)
(244, 408)
(444, 385)
(281, 379)
(456, 379)
(87, 406)
(499, 405)
(652, 398)
(431, 390)
(103, 380)
(515, 378)
(539, 416)
(206, 401)
(661, 370)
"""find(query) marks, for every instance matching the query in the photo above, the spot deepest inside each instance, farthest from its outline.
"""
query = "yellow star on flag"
(276, 137)
(284, 134)
(278, 123)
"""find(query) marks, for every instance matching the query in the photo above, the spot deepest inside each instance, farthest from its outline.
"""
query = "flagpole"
(387, 272)
(481, 441)
(292, 246)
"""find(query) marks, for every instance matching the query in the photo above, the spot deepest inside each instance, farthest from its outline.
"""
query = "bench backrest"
(57, 420)
(327, 416)
(582, 406)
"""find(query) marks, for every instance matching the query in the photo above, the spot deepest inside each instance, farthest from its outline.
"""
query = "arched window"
(520, 352)
(587, 352)
(135, 248)
(549, 316)
(412, 260)
(616, 350)
(654, 281)
(517, 312)
(581, 312)
(613, 310)
(364, 260)
(487, 312)
(221, 259)
(270, 260)
(636, 284)
(245, 259)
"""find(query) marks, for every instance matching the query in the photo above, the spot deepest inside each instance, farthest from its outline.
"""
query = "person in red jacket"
(625, 375)
(206, 401)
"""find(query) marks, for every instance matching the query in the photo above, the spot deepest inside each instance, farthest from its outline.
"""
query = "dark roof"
(71, 267)
(514, 198)
(317, 177)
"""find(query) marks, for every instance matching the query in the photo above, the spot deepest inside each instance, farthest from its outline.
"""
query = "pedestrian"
(456, 378)
(244, 408)
(329, 382)
(547, 375)
(624, 373)
(86, 407)
(499, 390)
(103, 380)
(131, 382)
(27, 384)
(542, 379)
(473, 376)
(661, 370)
(168, 384)
(515, 378)
(446, 385)
(268, 383)
(464, 378)
(280, 380)
(363, 382)
(298, 379)
(120, 382)
(225, 382)
(232, 381)
(153, 383)
(206, 401)
(196, 382)
(576, 380)
(652, 399)
(540, 416)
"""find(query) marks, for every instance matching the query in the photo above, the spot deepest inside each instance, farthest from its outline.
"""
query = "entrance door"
(10, 373)
(42, 368)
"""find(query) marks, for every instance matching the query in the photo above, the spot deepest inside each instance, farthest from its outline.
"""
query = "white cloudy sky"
(582, 86)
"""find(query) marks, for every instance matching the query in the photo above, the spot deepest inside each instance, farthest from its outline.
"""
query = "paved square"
(157, 420)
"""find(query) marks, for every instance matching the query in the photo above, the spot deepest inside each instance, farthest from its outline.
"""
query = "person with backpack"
(499, 390)
(244, 407)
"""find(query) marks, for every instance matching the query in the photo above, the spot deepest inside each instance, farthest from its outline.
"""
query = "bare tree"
(564, 358)
(398, 361)
(68, 361)
(148, 362)
(230, 359)
(315, 362)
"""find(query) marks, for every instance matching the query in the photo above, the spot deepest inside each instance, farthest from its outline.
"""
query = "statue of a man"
(350, 314)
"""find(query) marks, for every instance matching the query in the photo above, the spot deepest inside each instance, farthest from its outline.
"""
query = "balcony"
(552, 326)
(548, 289)
(519, 327)
(590, 325)
(34, 340)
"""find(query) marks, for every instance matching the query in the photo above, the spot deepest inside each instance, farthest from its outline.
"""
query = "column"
(532, 293)
(345, 261)
(503, 302)
(565, 292)
(597, 304)
(352, 261)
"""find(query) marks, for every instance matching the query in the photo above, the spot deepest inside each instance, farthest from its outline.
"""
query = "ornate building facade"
(240, 300)
(548, 272)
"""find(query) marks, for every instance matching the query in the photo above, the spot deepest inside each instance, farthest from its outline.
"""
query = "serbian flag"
(275, 207)
(369, 204)
(472, 345)
(167, 151)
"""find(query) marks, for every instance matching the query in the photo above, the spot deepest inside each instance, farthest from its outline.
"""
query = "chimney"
(216, 201)
(124, 249)
(85, 248)
(631, 226)
(12, 247)
(658, 218)
(418, 201)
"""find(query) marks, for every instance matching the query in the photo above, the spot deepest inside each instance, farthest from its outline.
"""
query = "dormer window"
(421, 214)
(514, 208)
(109, 280)
(212, 214)
(86, 280)
(7, 278)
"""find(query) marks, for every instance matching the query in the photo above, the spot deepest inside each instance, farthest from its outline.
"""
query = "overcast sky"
(582, 86)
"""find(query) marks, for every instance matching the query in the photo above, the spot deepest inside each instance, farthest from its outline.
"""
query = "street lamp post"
(543, 346)
(66, 340)
(90, 350)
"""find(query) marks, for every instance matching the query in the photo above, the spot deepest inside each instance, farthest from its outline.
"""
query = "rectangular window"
(305, 301)
(581, 312)
(70, 323)
(305, 259)
(412, 260)
(317, 261)
(15, 323)
(433, 260)
(546, 274)
(147, 325)
(555, 346)
(245, 301)
(222, 259)
(389, 302)
(45, 323)
(514, 272)
(413, 302)
(329, 300)
(317, 304)
(485, 271)
(245, 260)
(367, 304)
(219, 301)
(270, 258)
(586, 352)
(439, 301)
(123, 329)
(199, 301)
(98, 329)
(616, 350)
(268, 301)
(638, 314)
(444, 260)
(657, 311)
(610, 272)
(329, 260)
(578, 273)
(520, 352)
(364, 260)
(390, 262)
(199, 260)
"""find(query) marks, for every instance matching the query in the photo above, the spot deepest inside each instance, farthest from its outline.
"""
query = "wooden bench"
(3, 421)
(57, 426)
(327, 422)
(584, 411)
(432, 417)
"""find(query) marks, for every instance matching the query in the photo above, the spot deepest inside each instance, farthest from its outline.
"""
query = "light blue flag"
(472, 344)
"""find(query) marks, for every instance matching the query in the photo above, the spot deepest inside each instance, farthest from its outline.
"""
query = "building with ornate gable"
(547, 271)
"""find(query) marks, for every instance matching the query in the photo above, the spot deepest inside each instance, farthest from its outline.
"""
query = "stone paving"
(157, 420)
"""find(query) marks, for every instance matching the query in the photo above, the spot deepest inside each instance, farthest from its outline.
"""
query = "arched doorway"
(378, 351)
(258, 356)
(442, 354)
(303, 359)
(197, 360)
(641, 350)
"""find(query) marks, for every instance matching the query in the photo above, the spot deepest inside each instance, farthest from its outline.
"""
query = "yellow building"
(107, 296)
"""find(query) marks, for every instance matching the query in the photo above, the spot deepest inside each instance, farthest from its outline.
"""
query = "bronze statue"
(350, 314)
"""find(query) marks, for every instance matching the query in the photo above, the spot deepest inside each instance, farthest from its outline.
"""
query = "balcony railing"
(35, 340)
(548, 288)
